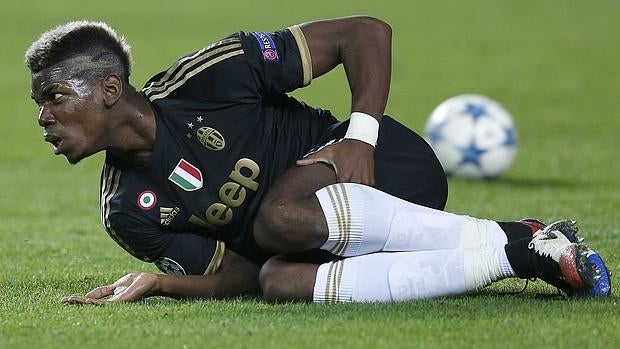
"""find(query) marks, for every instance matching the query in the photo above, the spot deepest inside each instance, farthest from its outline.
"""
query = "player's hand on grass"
(352, 160)
(129, 288)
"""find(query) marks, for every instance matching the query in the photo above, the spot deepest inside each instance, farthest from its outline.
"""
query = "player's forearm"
(237, 276)
(363, 46)
(219, 285)
(366, 57)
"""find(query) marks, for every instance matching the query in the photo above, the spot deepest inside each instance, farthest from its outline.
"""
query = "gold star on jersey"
(209, 137)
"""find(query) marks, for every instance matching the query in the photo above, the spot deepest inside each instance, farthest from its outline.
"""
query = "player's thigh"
(290, 218)
(407, 167)
(301, 182)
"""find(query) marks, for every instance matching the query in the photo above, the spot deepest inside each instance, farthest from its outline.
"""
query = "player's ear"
(112, 89)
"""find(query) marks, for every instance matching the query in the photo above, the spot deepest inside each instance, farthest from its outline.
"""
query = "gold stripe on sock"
(338, 218)
(339, 278)
(347, 217)
(327, 281)
(345, 230)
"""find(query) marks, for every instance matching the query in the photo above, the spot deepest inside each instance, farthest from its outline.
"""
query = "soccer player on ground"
(213, 173)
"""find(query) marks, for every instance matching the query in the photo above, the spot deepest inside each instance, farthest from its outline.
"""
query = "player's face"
(70, 112)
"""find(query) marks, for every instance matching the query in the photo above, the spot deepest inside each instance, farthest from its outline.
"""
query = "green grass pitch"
(553, 64)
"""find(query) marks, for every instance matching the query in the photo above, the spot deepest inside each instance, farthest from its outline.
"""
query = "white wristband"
(363, 127)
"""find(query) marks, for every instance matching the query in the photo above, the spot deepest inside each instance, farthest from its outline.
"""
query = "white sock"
(400, 276)
(363, 220)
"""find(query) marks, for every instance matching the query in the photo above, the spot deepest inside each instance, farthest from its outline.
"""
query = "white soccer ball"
(473, 136)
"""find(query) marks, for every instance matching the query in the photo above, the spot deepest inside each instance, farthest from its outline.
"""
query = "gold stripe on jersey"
(206, 55)
(162, 86)
(192, 67)
(304, 52)
(188, 60)
(216, 261)
(109, 187)
(197, 70)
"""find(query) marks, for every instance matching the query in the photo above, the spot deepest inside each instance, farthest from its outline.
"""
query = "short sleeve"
(280, 61)
(172, 252)
(191, 254)
(241, 68)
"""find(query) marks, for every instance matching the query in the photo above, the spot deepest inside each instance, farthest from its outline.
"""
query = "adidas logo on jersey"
(167, 214)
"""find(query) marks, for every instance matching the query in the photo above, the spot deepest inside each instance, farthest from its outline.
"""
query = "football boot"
(562, 259)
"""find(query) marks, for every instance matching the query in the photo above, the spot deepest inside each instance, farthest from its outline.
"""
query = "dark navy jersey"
(225, 131)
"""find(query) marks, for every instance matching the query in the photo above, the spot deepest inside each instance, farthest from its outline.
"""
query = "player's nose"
(45, 118)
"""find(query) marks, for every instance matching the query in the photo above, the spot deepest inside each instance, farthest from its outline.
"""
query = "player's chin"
(74, 157)
(76, 154)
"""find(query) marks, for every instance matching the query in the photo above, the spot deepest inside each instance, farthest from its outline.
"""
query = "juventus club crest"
(210, 138)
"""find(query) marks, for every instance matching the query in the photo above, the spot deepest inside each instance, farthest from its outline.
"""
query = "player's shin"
(385, 277)
(364, 220)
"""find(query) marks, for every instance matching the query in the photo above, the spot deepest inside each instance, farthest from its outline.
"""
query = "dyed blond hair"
(105, 50)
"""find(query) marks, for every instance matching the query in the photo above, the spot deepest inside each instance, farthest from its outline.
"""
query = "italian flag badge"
(186, 176)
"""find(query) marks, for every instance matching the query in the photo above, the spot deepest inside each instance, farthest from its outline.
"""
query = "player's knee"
(275, 226)
(269, 226)
(284, 281)
(272, 285)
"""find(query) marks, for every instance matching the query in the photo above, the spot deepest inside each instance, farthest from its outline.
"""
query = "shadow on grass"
(524, 182)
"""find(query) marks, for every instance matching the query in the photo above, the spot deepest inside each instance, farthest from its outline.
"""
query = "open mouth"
(55, 141)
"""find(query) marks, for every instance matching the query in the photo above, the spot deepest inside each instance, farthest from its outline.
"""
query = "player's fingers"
(357, 178)
(73, 300)
(316, 160)
(371, 180)
(361, 177)
(138, 289)
(127, 295)
(311, 159)
(369, 177)
(101, 292)
(79, 300)
(346, 177)
(306, 161)
(365, 174)
(104, 291)
(372, 177)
